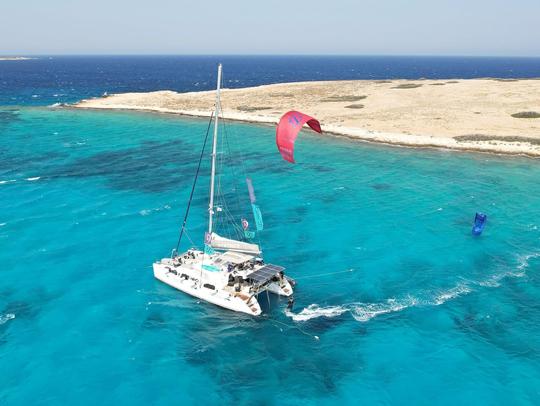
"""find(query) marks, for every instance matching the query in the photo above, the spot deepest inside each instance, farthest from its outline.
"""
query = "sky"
(361, 27)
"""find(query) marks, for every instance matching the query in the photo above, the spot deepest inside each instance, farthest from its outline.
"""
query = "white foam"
(7, 181)
(363, 312)
(2, 224)
(524, 260)
(445, 296)
(314, 311)
(147, 212)
(33, 179)
(492, 282)
(4, 318)
(366, 311)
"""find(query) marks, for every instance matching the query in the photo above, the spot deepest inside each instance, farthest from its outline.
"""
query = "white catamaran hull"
(232, 301)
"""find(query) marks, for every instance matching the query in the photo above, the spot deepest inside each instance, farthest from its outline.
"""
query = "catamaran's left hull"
(235, 302)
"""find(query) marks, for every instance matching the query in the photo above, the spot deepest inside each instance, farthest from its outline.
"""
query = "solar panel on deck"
(265, 273)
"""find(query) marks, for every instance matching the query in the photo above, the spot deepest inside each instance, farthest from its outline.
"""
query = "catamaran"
(228, 272)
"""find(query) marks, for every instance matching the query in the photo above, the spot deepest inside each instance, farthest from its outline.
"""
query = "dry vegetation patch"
(526, 114)
(348, 98)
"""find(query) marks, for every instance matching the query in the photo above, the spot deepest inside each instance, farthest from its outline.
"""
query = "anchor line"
(325, 274)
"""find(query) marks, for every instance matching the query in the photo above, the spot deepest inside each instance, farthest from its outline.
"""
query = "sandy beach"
(490, 115)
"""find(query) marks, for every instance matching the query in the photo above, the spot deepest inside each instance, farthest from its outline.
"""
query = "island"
(488, 115)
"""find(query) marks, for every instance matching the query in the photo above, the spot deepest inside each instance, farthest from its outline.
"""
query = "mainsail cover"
(287, 131)
(222, 243)
(256, 211)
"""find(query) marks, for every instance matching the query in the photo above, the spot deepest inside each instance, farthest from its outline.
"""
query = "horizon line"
(265, 55)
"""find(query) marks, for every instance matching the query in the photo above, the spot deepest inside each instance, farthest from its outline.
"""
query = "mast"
(214, 148)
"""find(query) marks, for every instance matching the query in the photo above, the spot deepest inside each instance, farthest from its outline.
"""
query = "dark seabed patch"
(301, 210)
(154, 320)
(319, 168)
(381, 186)
(151, 167)
(265, 358)
(9, 116)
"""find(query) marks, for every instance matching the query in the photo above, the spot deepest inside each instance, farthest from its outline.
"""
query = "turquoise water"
(416, 311)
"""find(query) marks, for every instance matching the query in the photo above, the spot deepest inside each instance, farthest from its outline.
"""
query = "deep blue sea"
(407, 306)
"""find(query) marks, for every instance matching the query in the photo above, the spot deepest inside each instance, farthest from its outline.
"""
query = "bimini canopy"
(222, 243)
(287, 131)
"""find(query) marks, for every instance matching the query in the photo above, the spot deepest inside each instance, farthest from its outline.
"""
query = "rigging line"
(234, 228)
(189, 238)
(325, 274)
(194, 183)
(244, 172)
(241, 160)
(273, 320)
(235, 181)
(221, 223)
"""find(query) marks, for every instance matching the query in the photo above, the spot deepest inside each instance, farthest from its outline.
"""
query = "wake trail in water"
(4, 318)
(147, 212)
(364, 312)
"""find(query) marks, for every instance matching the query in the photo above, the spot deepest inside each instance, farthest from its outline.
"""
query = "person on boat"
(290, 303)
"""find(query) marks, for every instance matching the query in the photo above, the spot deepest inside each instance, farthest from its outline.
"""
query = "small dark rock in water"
(355, 106)
(526, 114)
(381, 186)
(407, 86)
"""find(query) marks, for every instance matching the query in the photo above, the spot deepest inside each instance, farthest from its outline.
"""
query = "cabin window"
(208, 286)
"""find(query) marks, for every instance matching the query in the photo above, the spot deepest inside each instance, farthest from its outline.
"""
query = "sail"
(287, 131)
(251, 191)
(222, 243)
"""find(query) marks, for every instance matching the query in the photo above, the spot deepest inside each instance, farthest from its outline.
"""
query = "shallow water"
(407, 305)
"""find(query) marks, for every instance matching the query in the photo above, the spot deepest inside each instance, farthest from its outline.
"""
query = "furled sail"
(256, 211)
(287, 131)
(222, 243)
(258, 217)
